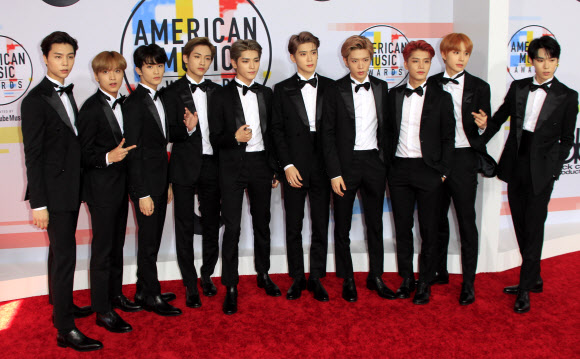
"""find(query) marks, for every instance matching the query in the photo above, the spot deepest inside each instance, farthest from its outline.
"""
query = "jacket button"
(62, 170)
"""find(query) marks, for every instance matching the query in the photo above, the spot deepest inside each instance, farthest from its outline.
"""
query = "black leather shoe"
(140, 298)
(295, 290)
(377, 284)
(231, 301)
(81, 312)
(207, 286)
(315, 286)
(537, 288)
(192, 297)
(522, 302)
(440, 278)
(123, 303)
(113, 322)
(467, 295)
(265, 282)
(349, 290)
(77, 341)
(422, 294)
(407, 287)
(157, 305)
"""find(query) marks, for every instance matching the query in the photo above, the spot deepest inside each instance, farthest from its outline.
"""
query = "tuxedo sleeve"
(219, 135)
(447, 133)
(329, 118)
(278, 129)
(501, 115)
(133, 124)
(567, 134)
(88, 127)
(33, 132)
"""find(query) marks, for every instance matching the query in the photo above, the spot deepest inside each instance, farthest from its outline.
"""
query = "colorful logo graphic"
(520, 65)
(15, 70)
(171, 23)
(388, 43)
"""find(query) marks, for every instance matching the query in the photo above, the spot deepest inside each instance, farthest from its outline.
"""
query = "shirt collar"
(56, 82)
(304, 78)
(359, 83)
(151, 91)
(110, 98)
(537, 83)
(193, 81)
(458, 79)
(422, 85)
(241, 83)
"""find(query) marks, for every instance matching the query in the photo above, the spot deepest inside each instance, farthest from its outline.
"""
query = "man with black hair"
(53, 168)
(146, 127)
(543, 116)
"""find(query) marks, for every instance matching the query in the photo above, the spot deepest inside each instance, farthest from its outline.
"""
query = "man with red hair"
(419, 138)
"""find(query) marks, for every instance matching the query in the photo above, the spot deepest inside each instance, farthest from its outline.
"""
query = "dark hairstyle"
(304, 37)
(417, 45)
(149, 54)
(197, 41)
(58, 37)
(244, 45)
(545, 42)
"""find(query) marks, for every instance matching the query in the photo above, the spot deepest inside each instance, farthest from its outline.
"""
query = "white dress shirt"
(456, 91)
(67, 105)
(200, 101)
(118, 115)
(534, 106)
(365, 113)
(158, 105)
(409, 141)
(252, 117)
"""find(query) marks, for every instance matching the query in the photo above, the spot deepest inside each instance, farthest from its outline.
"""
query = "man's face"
(60, 61)
(545, 66)
(198, 61)
(456, 60)
(110, 80)
(306, 59)
(247, 66)
(358, 62)
(151, 74)
(418, 65)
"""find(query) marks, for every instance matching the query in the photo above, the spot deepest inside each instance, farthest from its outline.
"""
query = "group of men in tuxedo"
(425, 138)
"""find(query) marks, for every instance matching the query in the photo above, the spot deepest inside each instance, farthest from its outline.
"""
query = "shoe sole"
(162, 314)
(127, 310)
(521, 311)
(63, 345)
(531, 291)
(114, 331)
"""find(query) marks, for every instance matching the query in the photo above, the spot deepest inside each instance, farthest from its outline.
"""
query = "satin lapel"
(295, 96)
(399, 97)
(522, 92)
(74, 106)
(319, 102)
(378, 94)
(430, 96)
(153, 110)
(238, 109)
(263, 112)
(345, 90)
(54, 101)
(553, 99)
(467, 99)
(111, 118)
(186, 97)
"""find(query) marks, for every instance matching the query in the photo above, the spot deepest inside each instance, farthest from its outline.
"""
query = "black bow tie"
(313, 81)
(418, 90)
(119, 101)
(544, 86)
(446, 80)
(202, 86)
(62, 89)
(156, 96)
(366, 85)
(254, 88)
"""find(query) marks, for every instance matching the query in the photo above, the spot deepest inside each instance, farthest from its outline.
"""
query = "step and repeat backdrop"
(123, 25)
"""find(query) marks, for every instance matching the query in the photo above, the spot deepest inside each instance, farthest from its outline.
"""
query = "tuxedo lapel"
(263, 112)
(521, 98)
(295, 95)
(237, 102)
(319, 102)
(399, 98)
(153, 110)
(345, 90)
(53, 99)
(74, 106)
(185, 94)
(430, 96)
(378, 94)
(553, 99)
(467, 98)
(110, 116)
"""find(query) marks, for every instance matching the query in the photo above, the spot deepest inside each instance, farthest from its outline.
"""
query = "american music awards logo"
(388, 62)
(15, 70)
(520, 65)
(171, 23)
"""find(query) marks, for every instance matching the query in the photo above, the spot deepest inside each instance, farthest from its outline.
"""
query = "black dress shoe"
(140, 298)
(349, 290)
(537, 288)
(407, 287)
(192, 297)
(207, 286)
(271, 288)
(231, 301)
(295, 290)
(157, 305)
(315, 286)
(467, 295)
(113, 322)
(522, 302)
(77, 341)
(440, 278)
(422, 294)
(81, 312)
(123, 303)
(377, 284)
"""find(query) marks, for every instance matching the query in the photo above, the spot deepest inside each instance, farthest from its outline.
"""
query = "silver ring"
(290, 182)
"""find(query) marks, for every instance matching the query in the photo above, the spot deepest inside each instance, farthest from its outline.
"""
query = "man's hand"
(40, 218)
(293, 177)
(443, 179)
(338, 185)
(480, 119)
(146, 206)
(244, 134)
(275, 182)
(169, 194)
(119, 153)
(190, 120)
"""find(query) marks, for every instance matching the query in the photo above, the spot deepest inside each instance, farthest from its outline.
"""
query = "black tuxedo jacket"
(99, 133)
(553, 135)
(186, 154)
(338, 123)
(437, 132)
(52, 150)
(147, 163)
(290, 126)
(476, 96)
(227, 117)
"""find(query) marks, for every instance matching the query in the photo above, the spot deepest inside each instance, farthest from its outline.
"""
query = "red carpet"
(268, 327)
